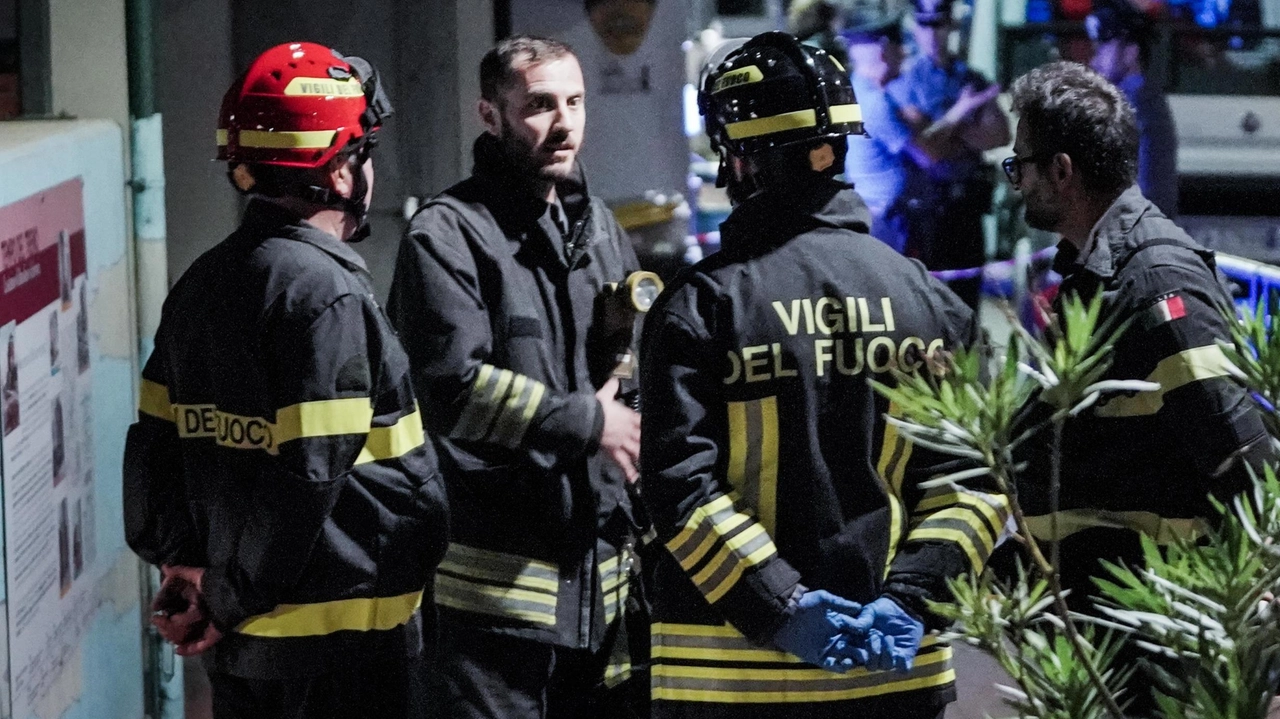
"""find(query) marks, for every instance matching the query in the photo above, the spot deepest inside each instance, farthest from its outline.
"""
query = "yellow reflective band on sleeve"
(1193, 365)
(958, 537)
(702, 663)
(774, 123)
(305, 420)
(282, 140)
(153, 400)
(845, 113)
(323, 418)
(324, 87)
(343, 615)
(220, 136)
(493, 583)
(501, 407)
(993, 507)
(395, 441)
(1160, 529)
(742, 541)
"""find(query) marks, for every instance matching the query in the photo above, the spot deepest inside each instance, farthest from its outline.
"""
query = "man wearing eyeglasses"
(948, 188)
(1143, 463)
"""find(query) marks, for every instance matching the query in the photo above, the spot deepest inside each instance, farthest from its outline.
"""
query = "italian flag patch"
(1166, 310)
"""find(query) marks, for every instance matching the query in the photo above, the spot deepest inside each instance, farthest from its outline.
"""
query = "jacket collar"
(776, 215)
(1111, 235)
(263, 219)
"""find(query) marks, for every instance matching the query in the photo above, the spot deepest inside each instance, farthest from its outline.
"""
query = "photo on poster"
(54, 341)
(64, 269)
(59, 443)
(64, 550)
(11, 400)
(77, 541)
(82, 332)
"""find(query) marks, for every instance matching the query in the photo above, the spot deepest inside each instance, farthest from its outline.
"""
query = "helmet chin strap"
(738, 188)
(354, 206)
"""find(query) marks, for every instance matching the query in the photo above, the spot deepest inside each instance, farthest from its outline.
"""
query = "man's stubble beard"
(523, 156)
(1042, 215)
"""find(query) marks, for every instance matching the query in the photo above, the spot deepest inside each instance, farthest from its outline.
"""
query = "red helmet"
(298, 105)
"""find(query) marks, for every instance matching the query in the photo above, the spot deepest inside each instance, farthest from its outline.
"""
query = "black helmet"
(772, 92)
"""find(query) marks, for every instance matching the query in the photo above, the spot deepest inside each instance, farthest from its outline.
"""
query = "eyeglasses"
(1013, 165)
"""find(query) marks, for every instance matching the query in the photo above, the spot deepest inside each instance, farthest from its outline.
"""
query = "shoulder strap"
(1125, 258)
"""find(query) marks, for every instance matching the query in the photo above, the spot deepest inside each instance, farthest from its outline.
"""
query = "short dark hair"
(498, 66)
(1068, 108)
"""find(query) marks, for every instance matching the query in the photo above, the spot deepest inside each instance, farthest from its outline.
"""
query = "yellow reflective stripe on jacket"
(743, 543)
(500, 408)
(1193, 365)
(395, 441)
(615, 585)
(305, 420)
(498, 584)
(891, 468)
(753, 456)
(1161, 529)
(715, 665)
(970, 519)
(343, 615)
(153, 400)
(323, 418)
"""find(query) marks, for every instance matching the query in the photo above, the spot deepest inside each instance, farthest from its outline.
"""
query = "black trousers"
(484, 675)
(384, 689)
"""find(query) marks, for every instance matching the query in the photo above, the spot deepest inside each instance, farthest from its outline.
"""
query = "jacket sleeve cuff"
(572, 429)
(914, 600)
(224, 607)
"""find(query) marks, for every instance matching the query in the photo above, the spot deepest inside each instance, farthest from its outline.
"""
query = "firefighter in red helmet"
(278, 473)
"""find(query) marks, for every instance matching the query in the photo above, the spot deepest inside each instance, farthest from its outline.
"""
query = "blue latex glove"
(819, 631)
(890, 637)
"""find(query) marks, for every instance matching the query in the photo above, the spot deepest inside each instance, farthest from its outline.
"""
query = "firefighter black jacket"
(500, 322)
(1147, 462)
(279, 445)
(768, 463)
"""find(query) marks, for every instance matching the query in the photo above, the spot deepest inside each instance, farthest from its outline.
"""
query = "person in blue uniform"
(1121, 38)
(948, 187)
(874, 163)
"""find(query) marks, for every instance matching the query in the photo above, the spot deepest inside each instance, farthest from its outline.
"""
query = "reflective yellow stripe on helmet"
(845, 113)
(769, 125)
(305, 140)
(797, 120)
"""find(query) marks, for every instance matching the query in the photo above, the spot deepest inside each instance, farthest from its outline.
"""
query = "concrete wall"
(634, 141)
(87, 51)
(194, 49)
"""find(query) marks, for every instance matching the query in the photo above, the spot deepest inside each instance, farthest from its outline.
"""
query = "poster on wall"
(46, 457)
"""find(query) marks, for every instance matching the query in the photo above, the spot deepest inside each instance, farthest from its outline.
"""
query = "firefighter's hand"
(890, 636)
(819, 631)
(179, 611)
(200, 643)
(176, 611)
(620, 440)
